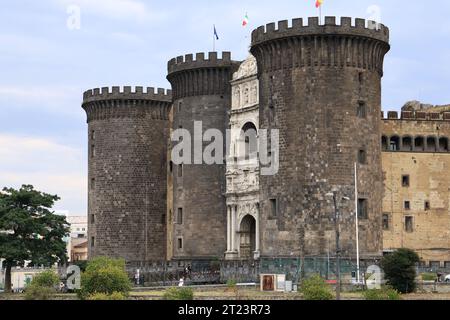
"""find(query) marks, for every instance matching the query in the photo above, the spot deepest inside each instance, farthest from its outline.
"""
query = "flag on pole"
(245, 21)
(319, 3)
(215, 33)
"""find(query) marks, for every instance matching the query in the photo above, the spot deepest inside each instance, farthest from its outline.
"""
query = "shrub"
(43, 286)
(104, 296)
(231, 283)
(179, 294)
(386, 293)
(315, 288)
(400, 271)
(428, 276)
(104, 275)
(34, 292)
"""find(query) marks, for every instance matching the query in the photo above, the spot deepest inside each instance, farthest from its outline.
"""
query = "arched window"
(384, 143)
(419, 144)
(431, 144)
(250, 141)
(407, 144)
(394, 144)
(443, 144)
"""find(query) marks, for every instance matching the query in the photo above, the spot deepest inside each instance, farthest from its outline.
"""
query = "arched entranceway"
(247, 237)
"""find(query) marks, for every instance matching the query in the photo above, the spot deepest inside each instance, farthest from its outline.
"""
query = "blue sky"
(45, 66)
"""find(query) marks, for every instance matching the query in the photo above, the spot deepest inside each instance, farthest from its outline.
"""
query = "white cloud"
(61, 99)
(49, 166)
(116, 9)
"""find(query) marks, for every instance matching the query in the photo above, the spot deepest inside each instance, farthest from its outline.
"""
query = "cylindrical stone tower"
(128, 134)
(201, 93)
(320, 85)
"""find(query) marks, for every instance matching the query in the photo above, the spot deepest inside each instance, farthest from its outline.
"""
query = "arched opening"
(247, 237)
(443, 144)
(394, 144)
(407, 144)
(419, 144)
(384, 143)
(249, 139)
(431, 144)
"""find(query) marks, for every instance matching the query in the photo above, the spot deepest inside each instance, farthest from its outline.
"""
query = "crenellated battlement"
(360, 45)
(416, 116)
(201, 76)
(347, 26)
(127, 102)
(187, 62)
(126, 93)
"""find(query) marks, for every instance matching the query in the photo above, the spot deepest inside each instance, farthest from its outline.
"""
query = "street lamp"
(338, 249)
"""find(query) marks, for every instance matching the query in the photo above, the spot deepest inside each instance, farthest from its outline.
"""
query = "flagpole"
(214, 38)
(320, 14)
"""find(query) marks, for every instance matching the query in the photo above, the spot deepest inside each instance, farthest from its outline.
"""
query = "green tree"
(399, 269)
(29, 231)
(104, 275)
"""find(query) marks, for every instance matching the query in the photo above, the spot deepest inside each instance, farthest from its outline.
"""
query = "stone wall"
(312, 80)
(429, 182)
(127, 172)
(201, 93)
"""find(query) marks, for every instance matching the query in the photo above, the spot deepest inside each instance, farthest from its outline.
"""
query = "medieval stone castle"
(320, 86)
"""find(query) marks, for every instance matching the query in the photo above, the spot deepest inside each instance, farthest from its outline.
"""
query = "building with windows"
(78, 240)
(317, 85)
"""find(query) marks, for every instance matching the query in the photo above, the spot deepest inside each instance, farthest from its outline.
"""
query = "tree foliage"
(104, 275)
(29, 231)
(399, 269)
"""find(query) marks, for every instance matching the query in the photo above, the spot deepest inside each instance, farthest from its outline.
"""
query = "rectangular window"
(405, 181)
(163, 219)
(362, 156)
(361, 110)
(92, 218)
(180, 216)
(447, 264)
(273, 207)
(92, 151)
(92, 242)
(427, 206)
(180, 243)
(407, 205)
(385, 221)
(363, 209)
(92, 183)
(180, 170)
(409, 224)
(92, 135)
(435, 264)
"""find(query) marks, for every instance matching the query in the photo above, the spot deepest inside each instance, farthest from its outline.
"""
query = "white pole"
(356, 223)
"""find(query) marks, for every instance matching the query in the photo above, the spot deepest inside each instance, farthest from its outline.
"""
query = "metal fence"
(215, 271)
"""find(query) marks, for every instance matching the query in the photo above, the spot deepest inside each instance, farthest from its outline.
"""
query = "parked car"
(447, 278)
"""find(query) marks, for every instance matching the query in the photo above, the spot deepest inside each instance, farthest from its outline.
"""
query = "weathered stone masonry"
(127, 172)
(312, 80)
(201, 92)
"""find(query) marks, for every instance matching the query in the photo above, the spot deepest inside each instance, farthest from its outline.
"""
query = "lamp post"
(338, 248)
